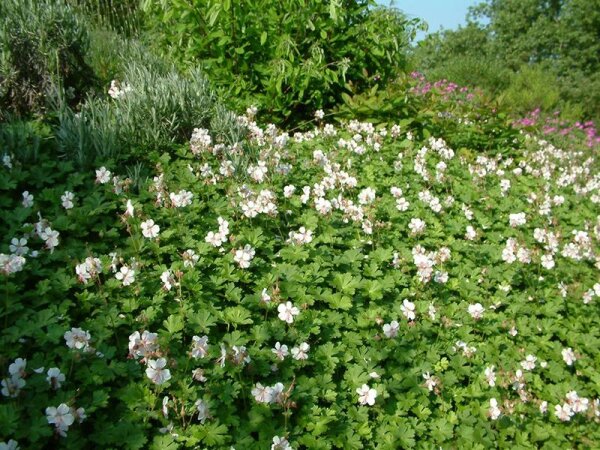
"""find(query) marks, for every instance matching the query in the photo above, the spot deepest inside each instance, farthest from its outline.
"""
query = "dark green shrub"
(290, 57)
(42, 48)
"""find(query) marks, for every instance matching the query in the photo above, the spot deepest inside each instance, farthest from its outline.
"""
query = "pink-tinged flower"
(568, 356)
(78, 339)
(366, 395)
(55, 378)
(103, 175)
(126, 275)
(202, 409)
(494, 412)
(287, 311)
(529, 362)
(144, 345)
(301, 352)
(280, 350)
(390, 330)
(476, 311)
(280, 443)
(156, 371)
(563, 412)
(150, 229)
(243, 256)
(60, 417)
(408, 309)
(199, 346)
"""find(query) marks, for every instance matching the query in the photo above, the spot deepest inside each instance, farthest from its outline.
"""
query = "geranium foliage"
(348, 287)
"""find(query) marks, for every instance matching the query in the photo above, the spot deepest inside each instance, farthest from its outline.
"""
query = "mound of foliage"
(43, 45)
(347, 287)
(287, 57)
(532, 53)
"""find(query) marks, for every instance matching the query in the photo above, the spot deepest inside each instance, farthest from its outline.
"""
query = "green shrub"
(122, 16)
(289, 57)
(43, 44)
(530, 88)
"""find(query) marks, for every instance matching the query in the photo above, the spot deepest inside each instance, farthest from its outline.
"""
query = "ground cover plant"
(345, 287)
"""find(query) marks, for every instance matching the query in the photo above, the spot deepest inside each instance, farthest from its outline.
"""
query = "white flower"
(281, 351)
(150, 229)
(366, 196)
(547, 262)
(60, 417)
(78, 339)
(7, 161)
(264, 296)
(144, 345)
(12, 386)
(289, 190)
(126, 275)
(198, 375)
(18, 246)
(391, 329)
(118, 90)
(167, 279)
(301, 352)
(431, 311)
(243, 256)
(564, 412)
(202, 408)
(215, 239)
(529, 362)
(568, 356)
(430, 382)
(11, 263)
(287, 312)
(88, 269)
(280, 444)
(67, 200)
(319, 114)
(51, 237)
(516, 220)
(366, 395)
(156, 371)
(200, 140)
(494, 412)
(190, 258)
(543, 407)
(578, 404)
(258, 172)
(302, 236)
(11, 444)
(17, 368)
(55, 378)
(323, 206)
(27, 199)
(490, 376)
(262, 394)
(402, 204)
(471, 234)
(199, 346)
(129, 209)
(181, 199)
(408, 309)
(417, 226)
(103, 175)
(476, 311)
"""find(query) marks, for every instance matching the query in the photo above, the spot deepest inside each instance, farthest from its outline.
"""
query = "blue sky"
(448, 14)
